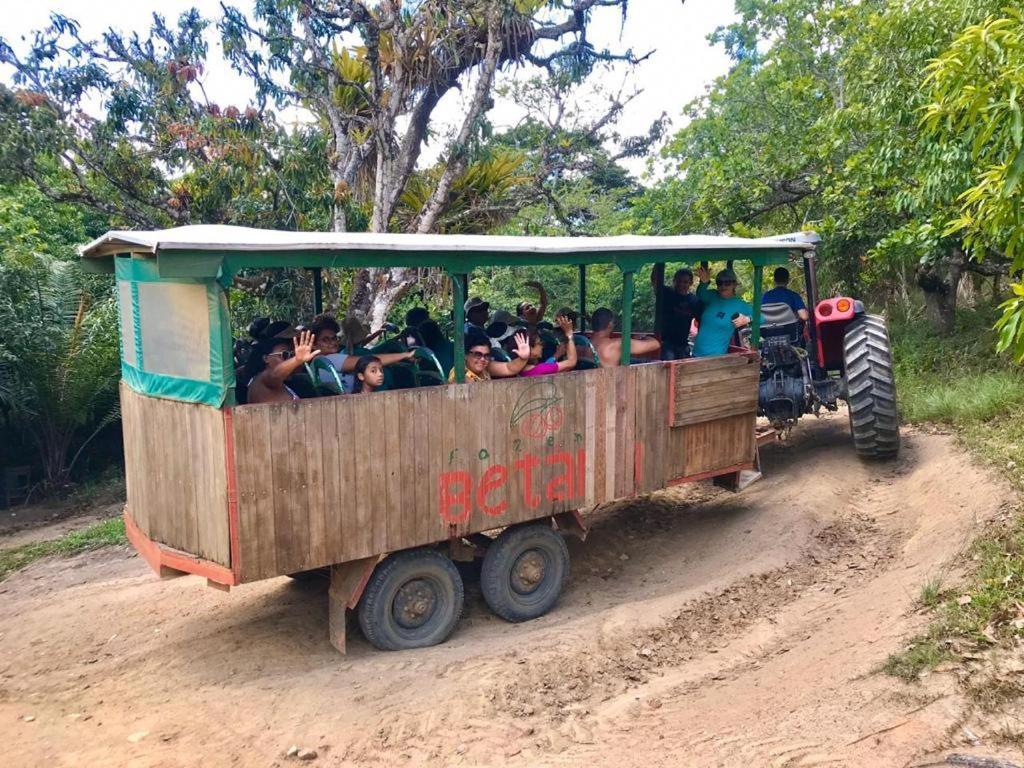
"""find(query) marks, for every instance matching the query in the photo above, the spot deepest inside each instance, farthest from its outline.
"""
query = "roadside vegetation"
(101, 534)
(958, 383)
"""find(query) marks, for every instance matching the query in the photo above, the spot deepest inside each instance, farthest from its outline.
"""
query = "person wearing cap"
(327, 342)
(679, 308)
(724, 313)
(477, 312)
(503, 326)
(278, 358)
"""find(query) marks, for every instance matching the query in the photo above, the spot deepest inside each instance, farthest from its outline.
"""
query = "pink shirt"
(541, 369)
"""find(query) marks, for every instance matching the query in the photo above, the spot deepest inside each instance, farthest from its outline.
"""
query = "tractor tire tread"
(871, 388)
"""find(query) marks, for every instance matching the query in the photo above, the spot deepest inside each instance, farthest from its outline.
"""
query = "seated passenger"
(416, 317)
(531, 313)
(276, 359)
(538, 366)
(782, 294)
(477, 312)
(369, 375)
(439, 344)
(724, 314)
(327, 341)
(609, 349)
(480, 362)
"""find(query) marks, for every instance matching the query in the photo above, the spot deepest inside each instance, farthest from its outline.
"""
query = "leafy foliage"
(978, 86)
(58, 352)
(818, 125)
(122, 125)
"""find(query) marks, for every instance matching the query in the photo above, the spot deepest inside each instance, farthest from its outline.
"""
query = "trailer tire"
(871, 388)
(413, 600)
(524, 571)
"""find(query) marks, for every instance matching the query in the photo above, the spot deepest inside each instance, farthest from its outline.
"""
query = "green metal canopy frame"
(212, 256)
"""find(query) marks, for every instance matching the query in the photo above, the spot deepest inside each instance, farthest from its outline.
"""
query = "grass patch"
(931, 592)
(978, 397)
(923, 654)
(959, 381)
(102, 534)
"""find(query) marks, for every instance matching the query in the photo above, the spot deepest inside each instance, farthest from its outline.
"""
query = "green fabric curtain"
(217, 386)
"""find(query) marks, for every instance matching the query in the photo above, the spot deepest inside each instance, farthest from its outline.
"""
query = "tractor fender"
(831, 317)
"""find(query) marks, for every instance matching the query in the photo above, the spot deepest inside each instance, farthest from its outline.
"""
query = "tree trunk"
(53, 445)
(375, 291)
(940, 282)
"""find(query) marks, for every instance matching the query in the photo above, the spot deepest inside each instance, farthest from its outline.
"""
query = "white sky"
(682, 65)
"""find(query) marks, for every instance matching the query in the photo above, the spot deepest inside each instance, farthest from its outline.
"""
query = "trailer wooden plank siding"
(512, 450)
(369, 486)
(175, 474)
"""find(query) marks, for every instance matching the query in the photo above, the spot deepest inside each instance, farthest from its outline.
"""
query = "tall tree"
(374, 76)
(818, 124)
(123, 124)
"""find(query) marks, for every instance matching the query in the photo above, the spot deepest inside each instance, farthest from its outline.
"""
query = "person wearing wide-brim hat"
(724, 313)
(503, 326)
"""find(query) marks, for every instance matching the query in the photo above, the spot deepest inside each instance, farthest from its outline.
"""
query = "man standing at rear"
(679, 307)
(782, 294)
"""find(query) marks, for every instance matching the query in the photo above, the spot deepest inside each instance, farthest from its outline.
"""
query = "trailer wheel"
(524, 571)
(413, 599)
(871, 388)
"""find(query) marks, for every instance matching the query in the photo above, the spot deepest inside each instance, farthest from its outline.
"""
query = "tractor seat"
(780, 320)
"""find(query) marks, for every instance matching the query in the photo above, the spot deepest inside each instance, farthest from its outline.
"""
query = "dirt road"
(699, 628)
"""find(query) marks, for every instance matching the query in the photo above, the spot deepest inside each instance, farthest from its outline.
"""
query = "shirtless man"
(280, 360)
(609, 349)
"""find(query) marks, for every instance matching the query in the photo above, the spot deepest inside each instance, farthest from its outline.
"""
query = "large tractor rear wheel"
(871, 388)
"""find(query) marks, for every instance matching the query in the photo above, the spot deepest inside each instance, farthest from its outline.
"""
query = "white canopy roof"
(217, 237)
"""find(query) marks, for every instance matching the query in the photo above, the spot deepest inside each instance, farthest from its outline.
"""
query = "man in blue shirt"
(724, 313)
(782, 294)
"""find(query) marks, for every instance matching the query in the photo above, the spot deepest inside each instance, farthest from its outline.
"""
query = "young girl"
(536, 367)
(369, 375)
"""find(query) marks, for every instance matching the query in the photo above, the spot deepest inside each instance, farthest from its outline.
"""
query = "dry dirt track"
(699, 628)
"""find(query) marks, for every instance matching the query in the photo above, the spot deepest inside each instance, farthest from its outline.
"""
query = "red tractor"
(840, 353)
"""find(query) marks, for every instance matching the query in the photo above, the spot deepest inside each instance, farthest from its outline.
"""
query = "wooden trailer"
(386, 490)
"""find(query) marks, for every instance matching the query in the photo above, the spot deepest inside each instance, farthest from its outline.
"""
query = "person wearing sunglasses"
(277, 359)
(724, 313)
(480, 364)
